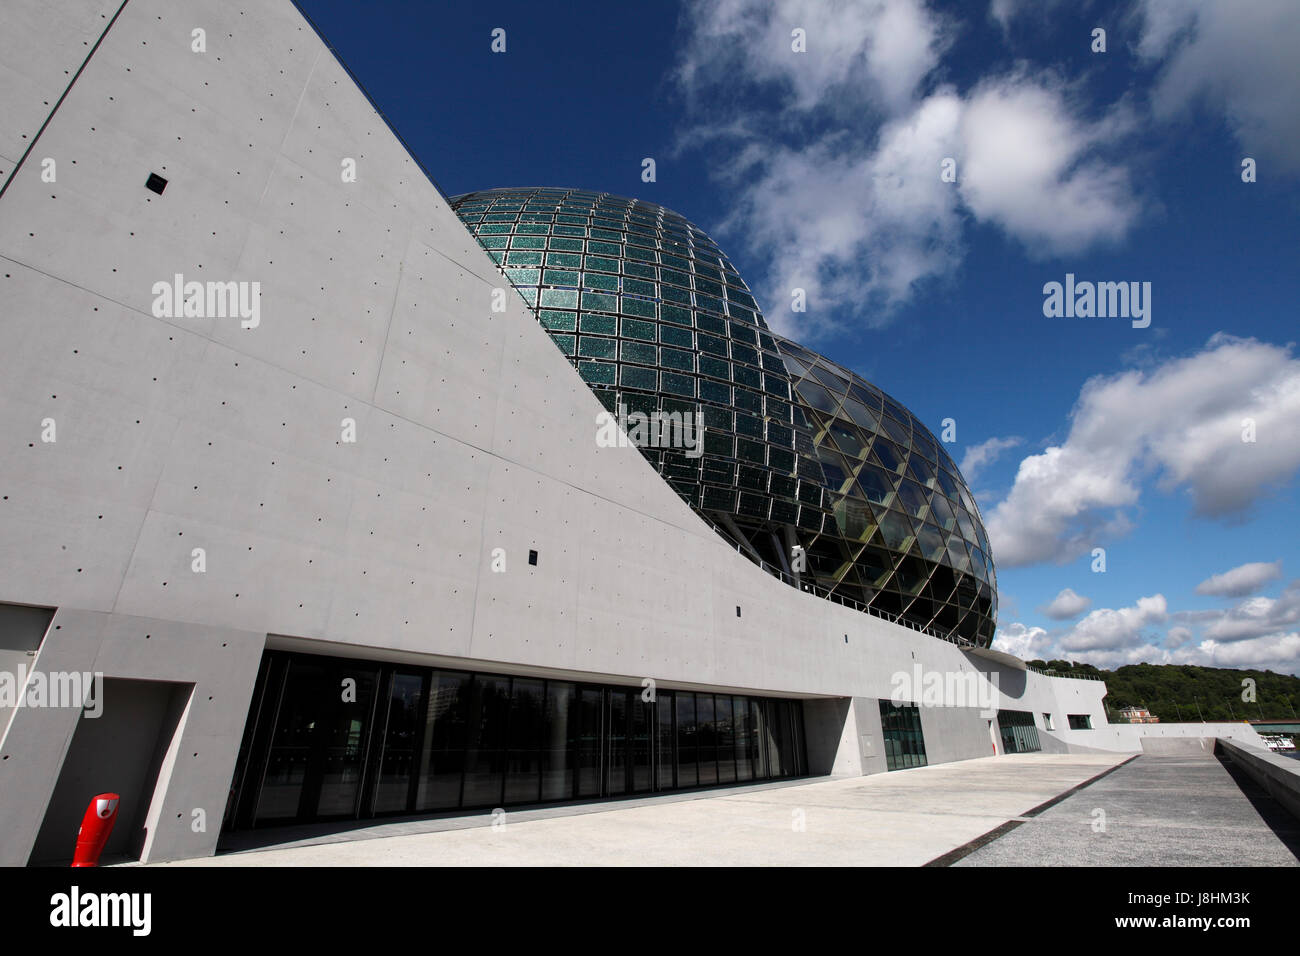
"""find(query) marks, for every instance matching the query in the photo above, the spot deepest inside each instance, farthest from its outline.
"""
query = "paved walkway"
(1158, 810)
(906, 818)
(1188, 810)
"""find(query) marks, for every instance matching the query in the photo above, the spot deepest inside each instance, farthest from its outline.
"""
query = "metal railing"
(1050, 672)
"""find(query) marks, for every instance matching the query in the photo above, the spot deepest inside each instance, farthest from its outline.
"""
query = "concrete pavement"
(1159, 810)
(906, 818)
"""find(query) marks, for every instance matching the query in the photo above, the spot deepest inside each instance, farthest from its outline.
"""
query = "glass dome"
(797, 451)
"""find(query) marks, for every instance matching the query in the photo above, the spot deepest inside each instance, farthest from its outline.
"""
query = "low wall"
(1280, 776)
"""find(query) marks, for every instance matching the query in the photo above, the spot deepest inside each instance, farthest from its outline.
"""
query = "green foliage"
(1173, 691)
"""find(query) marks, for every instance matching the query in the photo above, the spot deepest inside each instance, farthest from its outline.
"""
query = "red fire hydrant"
(96, 825)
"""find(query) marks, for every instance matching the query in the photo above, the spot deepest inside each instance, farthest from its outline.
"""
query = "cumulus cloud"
(1242, 580)
(844, 224)
(1030, 167)
(1066, 604)
(1257, 617)
(1111, 628)
(1182, 420)
(1258, 632)
(836, 178)
(879, 50)
(1024, 642)
(1277, 652)
(985, 453)
(1238, 60)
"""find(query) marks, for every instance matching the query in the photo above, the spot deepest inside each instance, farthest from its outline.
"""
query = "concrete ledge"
(1280, 776)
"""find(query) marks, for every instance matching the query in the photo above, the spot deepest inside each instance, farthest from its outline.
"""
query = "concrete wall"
(195, 773)
(473, 432)
(1280, 776)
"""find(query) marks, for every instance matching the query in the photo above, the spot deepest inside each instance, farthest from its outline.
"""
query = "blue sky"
(821, 170)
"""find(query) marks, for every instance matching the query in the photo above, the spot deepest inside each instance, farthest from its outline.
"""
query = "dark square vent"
(156, 183)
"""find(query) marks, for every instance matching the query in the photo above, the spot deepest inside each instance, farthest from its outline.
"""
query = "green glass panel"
(675, 313)
(634, 377)
(715, 367)
(598, 300)
(600, 324)
(670, 335)
(596, 348)
(559, 298)
(715, 392)
(639, 287)
(639, 307)
(678, 384)
(560, 321)
(638, 352)
(600, 373)
(636, 329)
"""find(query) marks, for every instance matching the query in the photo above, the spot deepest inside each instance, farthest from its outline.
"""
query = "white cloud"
(1028, 166)
(1109, 628)
(1181, 421)
(837, 181)
(877, 50)
(840, 223)
(1276, 652)
(1005, 11)
(1257, 617)
(1024, 642)
(1067, 604)
(985, 453)
(1258, 632)
(1238, 59)
(1242, 580)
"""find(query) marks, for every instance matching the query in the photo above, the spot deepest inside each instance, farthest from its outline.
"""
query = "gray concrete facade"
(203, 497)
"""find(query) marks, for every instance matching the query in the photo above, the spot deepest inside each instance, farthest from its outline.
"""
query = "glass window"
(687, 736)
(524, 764)
(638, 352)
(590, 708)
(726, 738)
(485, 756)
(616, 739)
(397, 766)
(559, 299)
(707, 739)
(667, 760)
(642, 378)
(444, 741)
(560, 741)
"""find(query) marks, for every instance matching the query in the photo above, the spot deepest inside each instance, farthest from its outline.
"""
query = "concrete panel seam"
(4, 187)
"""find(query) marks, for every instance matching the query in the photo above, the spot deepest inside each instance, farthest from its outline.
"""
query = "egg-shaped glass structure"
(806, 467)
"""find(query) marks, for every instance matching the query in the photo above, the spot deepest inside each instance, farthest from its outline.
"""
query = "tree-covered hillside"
(1174, 692)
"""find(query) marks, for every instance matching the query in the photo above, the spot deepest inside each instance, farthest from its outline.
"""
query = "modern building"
(305, 511)
(1137, 715)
